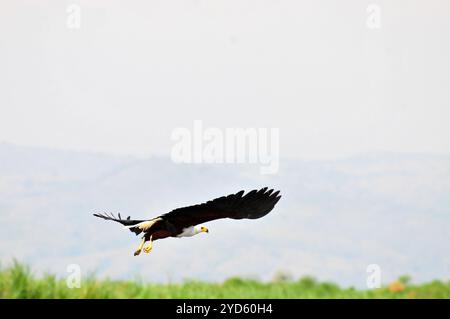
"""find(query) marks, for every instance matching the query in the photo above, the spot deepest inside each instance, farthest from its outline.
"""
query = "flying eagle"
(186, 221)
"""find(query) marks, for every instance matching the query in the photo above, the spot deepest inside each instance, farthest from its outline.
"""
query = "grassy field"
(17, 281)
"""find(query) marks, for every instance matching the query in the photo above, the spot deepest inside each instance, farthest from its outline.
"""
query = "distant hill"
(335, 217)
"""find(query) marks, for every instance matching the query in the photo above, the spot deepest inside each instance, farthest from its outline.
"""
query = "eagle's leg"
(149, 246)
(138, 251)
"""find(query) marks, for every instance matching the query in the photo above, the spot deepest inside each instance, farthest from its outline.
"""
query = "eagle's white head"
(193, 230)
(201, 229)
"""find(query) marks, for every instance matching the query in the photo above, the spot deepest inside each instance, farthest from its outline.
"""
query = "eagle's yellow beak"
(204, 229)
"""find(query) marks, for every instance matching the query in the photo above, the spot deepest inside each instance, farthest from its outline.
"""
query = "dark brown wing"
(125, 222)
(253, 205)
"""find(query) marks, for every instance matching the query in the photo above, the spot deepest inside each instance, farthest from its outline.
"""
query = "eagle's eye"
(204, 229)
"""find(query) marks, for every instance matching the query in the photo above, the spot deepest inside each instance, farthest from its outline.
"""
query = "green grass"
(17, 281)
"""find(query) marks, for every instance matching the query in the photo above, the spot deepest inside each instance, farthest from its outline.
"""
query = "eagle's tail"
(128, 223)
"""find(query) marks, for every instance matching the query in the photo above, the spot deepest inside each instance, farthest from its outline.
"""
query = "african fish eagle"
(186, 221)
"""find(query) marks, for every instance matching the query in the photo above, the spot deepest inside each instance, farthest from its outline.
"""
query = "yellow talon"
(138, 251)
(148, 249)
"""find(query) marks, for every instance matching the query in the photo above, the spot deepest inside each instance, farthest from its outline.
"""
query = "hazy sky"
(136, 70)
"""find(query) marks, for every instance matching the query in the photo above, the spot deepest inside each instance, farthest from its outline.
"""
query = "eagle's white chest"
(188, 232)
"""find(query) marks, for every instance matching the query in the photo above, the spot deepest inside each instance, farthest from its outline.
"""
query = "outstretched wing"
(125, 222)
(253, 205)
